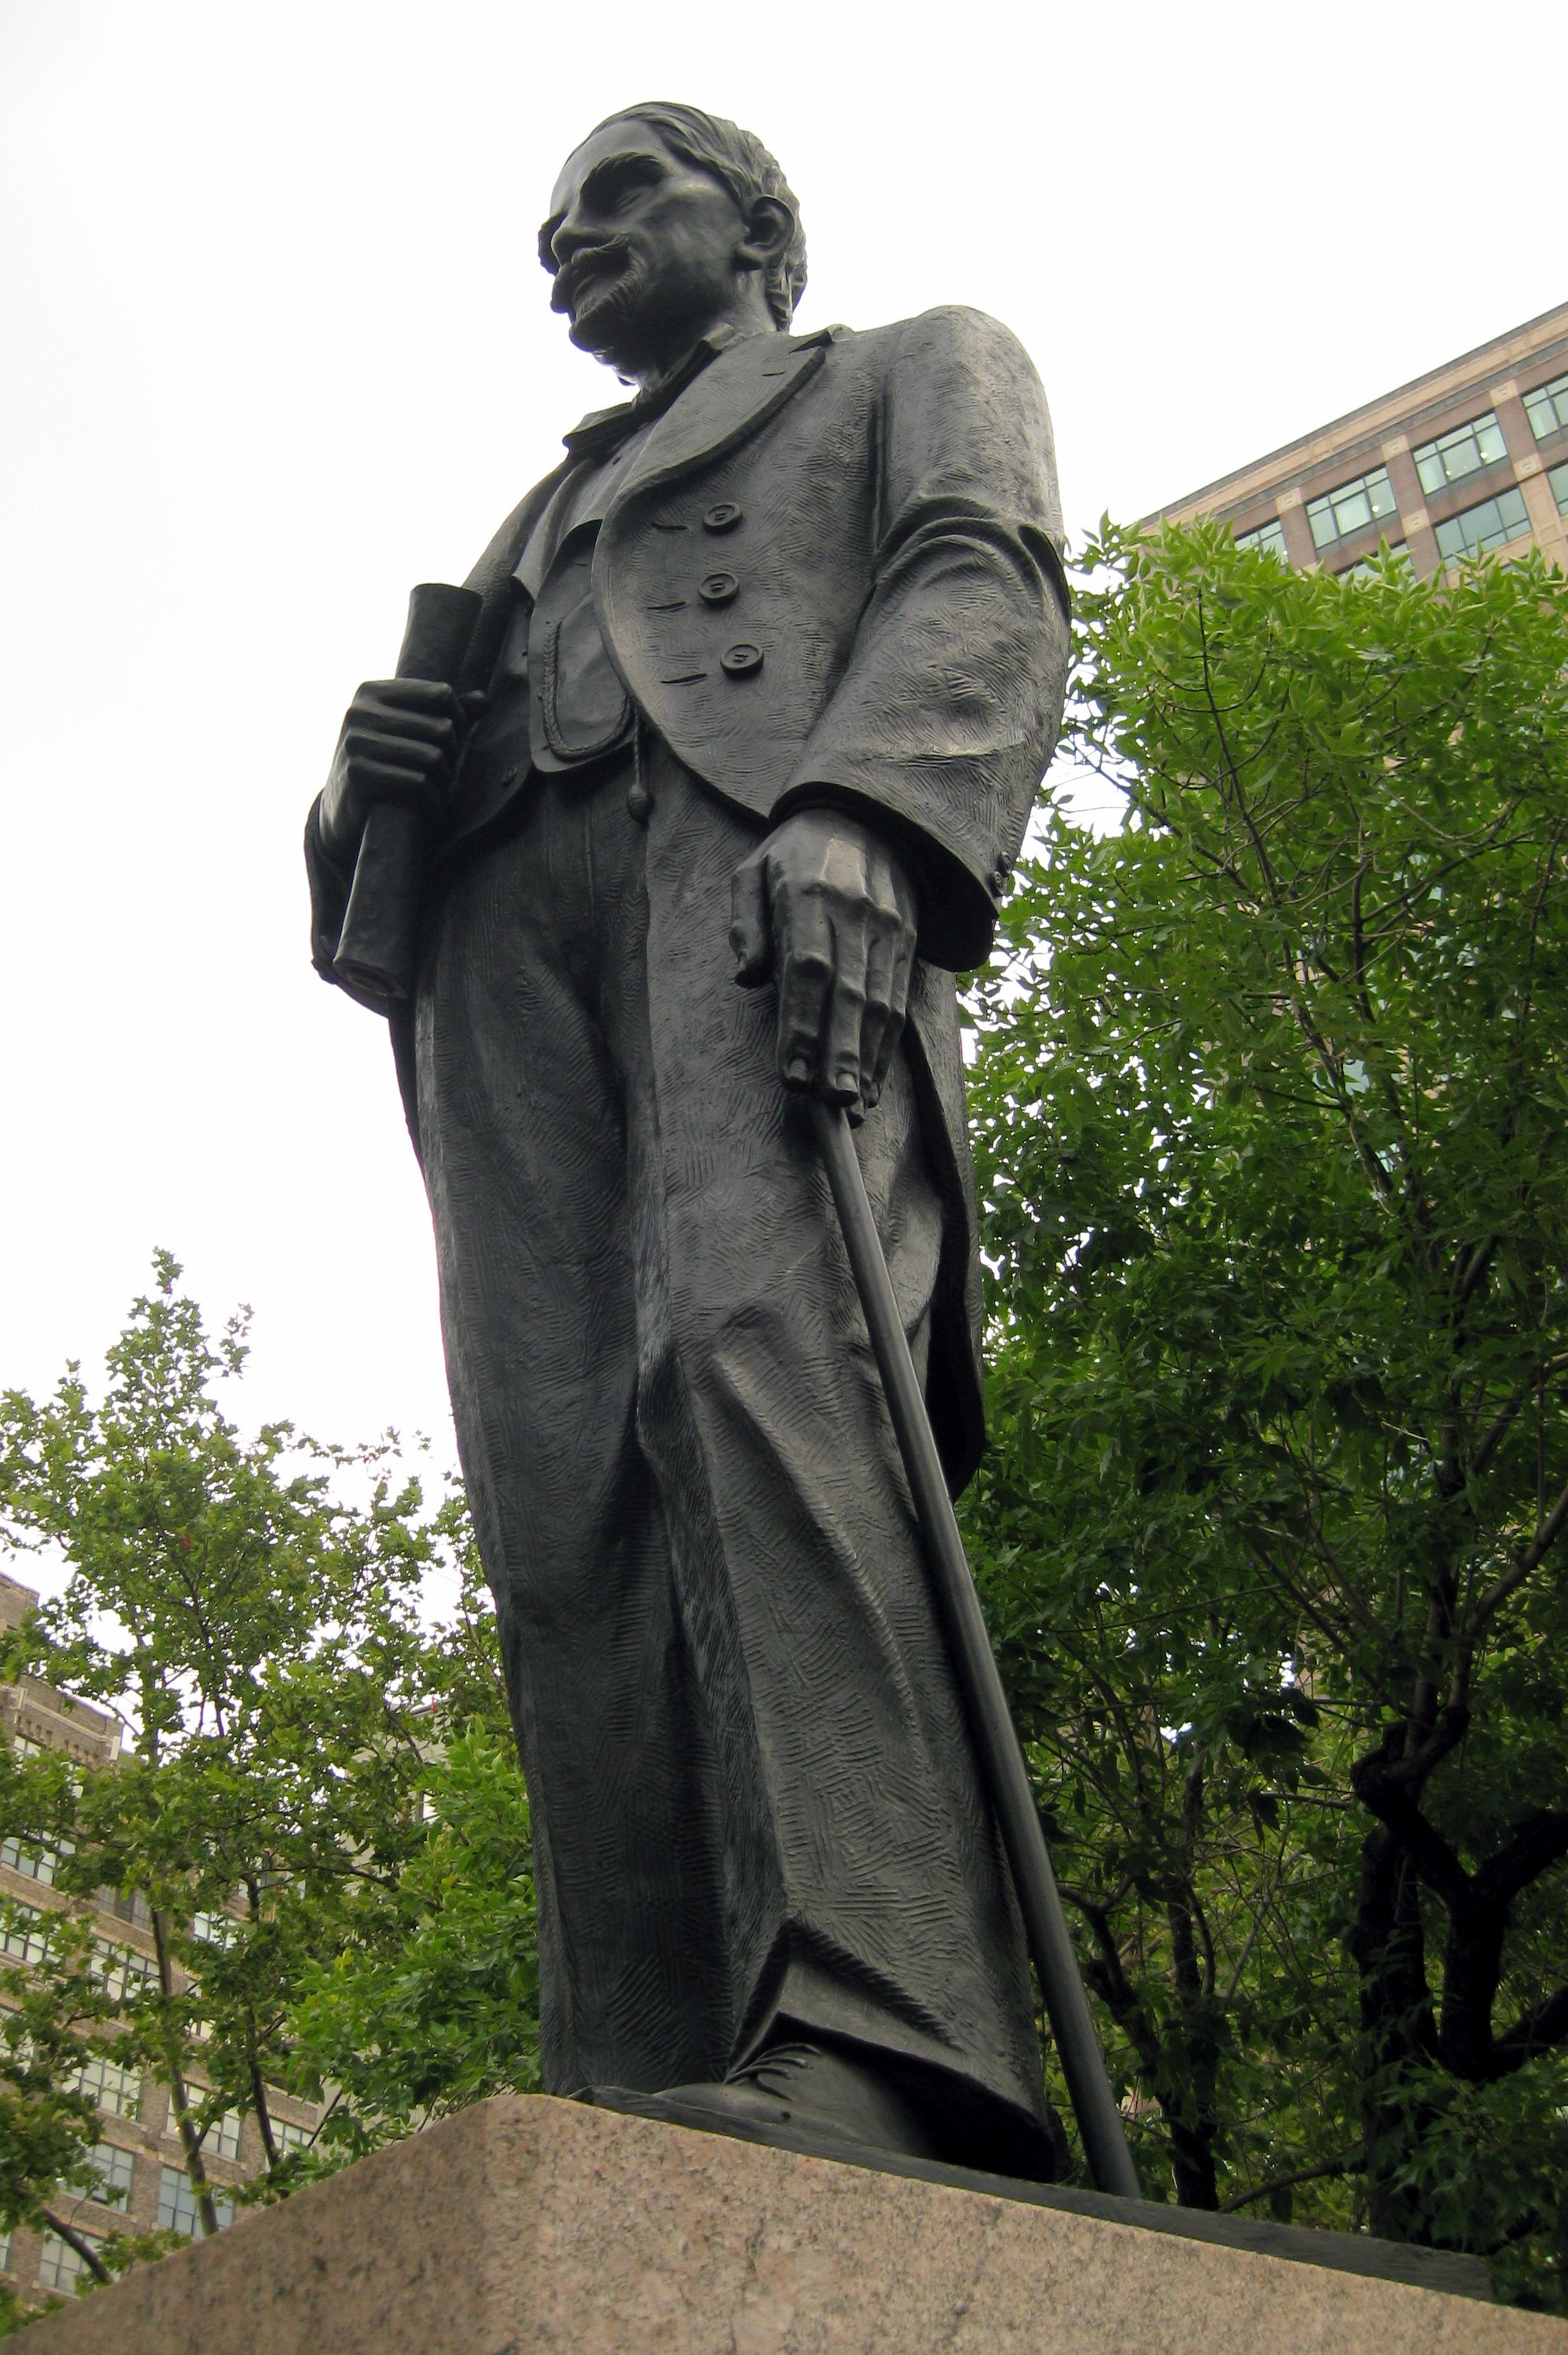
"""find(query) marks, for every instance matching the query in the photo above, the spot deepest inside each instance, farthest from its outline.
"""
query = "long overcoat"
(832, 575)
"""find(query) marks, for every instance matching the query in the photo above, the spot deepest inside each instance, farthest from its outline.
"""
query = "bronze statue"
(763, 679)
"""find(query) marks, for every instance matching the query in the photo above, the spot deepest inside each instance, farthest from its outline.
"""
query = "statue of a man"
(767, 674)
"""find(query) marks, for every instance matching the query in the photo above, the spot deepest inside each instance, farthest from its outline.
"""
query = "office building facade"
(1469, 459)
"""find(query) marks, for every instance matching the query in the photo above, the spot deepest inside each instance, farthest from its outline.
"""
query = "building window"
(24, 1935)
(1268, 540)
(222, 2134)
(39, 1864)
(1557, 483)
(1547, 409)
(113, 2167)
(121, 1969)
(176, 2204)
(218, 1930)
(111, 2088)
(1464, 452)
(60, 2267)
(1351, 507)
(4, 2253)
(1491, 525)
(131, 1908)
(289, 2138)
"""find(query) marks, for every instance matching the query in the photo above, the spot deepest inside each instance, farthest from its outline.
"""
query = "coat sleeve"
(944, 719)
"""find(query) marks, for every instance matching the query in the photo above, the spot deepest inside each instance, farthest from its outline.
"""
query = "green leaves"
(1270, 1121)
(318, 1802)
(436, 2002)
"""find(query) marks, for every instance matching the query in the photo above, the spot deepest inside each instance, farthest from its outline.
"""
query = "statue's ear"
(770, 226)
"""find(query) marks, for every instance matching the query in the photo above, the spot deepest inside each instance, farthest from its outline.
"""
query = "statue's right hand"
(398, 743)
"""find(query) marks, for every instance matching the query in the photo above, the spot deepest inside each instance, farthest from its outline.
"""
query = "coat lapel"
(733, 395)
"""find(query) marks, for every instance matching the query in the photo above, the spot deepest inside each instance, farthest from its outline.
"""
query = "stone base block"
(539, 2225)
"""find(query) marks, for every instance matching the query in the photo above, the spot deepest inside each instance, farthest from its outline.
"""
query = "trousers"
(756, 1805)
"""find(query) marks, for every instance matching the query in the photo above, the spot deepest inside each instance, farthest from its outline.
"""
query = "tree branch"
(80, 2243)
(1285, 2182)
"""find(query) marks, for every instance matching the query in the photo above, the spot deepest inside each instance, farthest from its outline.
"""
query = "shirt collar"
(595, 435)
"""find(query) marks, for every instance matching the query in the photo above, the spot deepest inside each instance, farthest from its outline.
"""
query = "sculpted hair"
(738, 160)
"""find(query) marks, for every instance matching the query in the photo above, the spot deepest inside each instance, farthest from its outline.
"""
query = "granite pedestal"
(540, 2225)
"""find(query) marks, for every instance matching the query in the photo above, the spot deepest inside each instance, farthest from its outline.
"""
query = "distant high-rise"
(1470, 459)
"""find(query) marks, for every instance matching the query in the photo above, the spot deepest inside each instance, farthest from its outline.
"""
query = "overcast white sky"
(278, 346)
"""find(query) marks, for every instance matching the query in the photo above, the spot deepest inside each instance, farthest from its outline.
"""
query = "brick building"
(142, 2178)
(1468, 460)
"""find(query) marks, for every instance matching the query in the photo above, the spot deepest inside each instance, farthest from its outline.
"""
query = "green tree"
(248, 1608)
(1271, 1090)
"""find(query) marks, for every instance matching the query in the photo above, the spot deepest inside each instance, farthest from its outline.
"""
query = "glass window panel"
(113, 2169)
(4, 2253)
(1547, 407)
(24, 1937)
(37, 1863)
(1268, 538)
(223, 2135)
(116, 2090)
(121, 1970)
(130, 1906)
(1465, 451)
(176, 2204)
(1513, 515)
(1491, 525)
(1557, 483)
(60, 2267)
(1350, 506)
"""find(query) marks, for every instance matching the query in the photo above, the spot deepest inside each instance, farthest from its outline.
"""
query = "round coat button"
(722, 518)
(739, 660)
(718, 588)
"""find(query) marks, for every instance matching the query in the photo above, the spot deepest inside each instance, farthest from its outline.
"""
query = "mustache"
(576, 276)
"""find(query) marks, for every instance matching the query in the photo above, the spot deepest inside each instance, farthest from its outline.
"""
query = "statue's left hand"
(824, 908)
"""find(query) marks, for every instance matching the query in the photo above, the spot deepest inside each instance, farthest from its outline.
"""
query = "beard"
(606, 293)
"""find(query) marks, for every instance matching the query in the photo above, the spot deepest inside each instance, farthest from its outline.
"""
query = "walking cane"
(1002, 1756)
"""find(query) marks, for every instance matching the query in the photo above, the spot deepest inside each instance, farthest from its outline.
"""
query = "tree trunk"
(1398, 2028)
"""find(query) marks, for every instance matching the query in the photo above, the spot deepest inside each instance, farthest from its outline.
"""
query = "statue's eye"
(622, 178)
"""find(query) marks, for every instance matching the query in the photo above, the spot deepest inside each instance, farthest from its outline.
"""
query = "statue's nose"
(571, 236)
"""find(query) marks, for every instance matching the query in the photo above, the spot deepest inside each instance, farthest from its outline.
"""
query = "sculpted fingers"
(398, 743)
(841, 1064)
(878, 1008)
(828, 910)
(369, 750)
(806, 978)
(890, 965)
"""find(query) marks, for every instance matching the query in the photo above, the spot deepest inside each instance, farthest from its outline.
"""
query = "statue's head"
(664, 221)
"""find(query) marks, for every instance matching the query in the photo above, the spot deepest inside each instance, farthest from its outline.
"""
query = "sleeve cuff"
(955, 915)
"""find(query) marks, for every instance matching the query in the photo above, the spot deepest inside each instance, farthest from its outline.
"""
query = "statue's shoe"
(808, 2089)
